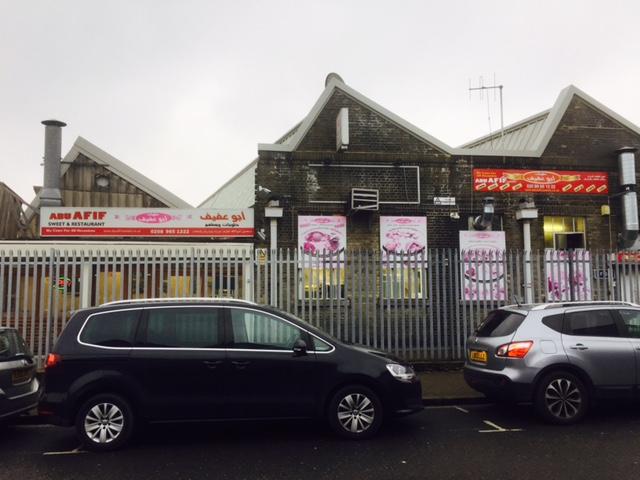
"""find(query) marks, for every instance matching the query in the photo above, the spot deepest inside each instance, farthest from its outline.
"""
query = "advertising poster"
(540, 181)
(145, 222)
(482, 262)
(322, 234)
(566, 271)
(405, 236)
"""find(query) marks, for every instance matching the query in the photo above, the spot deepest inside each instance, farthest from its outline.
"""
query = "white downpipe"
(528, 277)
(273, 241)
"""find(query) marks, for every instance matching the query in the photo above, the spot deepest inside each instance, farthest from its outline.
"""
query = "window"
(631, 319)
(324, 282)
(554, 322)
(591, 323)
(320, 346)
(256, 330)
(499, 323)
(404, 281)
(112, 329)
(11, 345)
(187, 327)
(563, 233)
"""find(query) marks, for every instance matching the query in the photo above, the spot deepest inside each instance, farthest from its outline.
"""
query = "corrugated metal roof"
(520, 136)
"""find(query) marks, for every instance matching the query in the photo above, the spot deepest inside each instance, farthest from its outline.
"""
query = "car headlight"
(401, 372)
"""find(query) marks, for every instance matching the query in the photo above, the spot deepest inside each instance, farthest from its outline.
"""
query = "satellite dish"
(333, 76)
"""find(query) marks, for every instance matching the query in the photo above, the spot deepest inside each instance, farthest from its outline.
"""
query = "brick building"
(308, 172)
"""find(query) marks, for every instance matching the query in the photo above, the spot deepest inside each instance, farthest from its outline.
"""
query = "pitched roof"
(237, 192)
(530, 137)
(89, 150)
(526, 138)
(292, 141)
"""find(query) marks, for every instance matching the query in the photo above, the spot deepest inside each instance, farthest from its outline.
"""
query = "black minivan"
(214, 359)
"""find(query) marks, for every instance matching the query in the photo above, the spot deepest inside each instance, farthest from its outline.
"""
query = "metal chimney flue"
(627, 171)
(50, 196)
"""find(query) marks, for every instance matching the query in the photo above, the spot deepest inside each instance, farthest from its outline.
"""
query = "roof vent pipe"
(627, 171)
(484, 221)
(51, 195)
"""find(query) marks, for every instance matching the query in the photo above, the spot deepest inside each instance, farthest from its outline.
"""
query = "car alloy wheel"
(563, 398)
(356, 412)
(104, 423)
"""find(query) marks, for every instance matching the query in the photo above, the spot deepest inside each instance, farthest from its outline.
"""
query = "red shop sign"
(540, 181)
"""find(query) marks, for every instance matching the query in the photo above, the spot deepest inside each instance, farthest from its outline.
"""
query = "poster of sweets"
(540, 181)
(318, 234)
(483, 273)
(403, 235)
(566, 271)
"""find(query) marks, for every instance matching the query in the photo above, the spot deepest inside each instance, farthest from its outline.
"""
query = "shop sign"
(403, 236)
(482, 263)
(148, 222)
(540, 181)
(322, 235)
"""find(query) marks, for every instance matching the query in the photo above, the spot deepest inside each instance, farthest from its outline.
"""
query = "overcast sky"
(183, 91)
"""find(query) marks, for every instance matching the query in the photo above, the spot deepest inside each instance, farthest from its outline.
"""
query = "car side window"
(184, 327)
(257, 330)
(631, 319)
(591, 323)
(111, 329)
(321, 345)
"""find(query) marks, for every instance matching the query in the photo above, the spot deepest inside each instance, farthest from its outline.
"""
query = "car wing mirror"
(300, 347)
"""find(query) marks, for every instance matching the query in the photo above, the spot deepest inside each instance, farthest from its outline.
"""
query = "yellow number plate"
(478, 356)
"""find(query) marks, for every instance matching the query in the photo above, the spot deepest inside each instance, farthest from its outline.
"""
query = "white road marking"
(498, 428)
(463, 410)
(66, 452)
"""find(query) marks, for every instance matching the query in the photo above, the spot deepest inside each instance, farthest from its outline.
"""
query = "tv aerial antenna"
(481, 88)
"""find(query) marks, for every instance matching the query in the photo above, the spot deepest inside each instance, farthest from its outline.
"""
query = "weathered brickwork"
(586, 139)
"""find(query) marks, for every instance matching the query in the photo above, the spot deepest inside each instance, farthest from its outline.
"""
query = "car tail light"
(53, 359)
(514, 350)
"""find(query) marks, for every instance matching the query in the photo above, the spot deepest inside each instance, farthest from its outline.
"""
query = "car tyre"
(561, 398)
(355, 412)
(104, 422)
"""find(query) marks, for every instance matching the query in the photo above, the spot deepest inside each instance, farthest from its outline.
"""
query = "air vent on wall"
(367, 199)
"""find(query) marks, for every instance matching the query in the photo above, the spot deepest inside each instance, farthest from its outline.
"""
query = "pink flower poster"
(318, 235)
(566, 271)
(403, 236)
(482, 262)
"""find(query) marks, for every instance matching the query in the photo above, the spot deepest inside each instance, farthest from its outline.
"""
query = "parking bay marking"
(66, 452)
(498, 428)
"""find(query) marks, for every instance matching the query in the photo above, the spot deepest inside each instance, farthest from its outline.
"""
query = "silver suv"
(560, 356)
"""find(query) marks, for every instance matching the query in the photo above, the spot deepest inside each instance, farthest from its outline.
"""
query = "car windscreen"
(499, 323)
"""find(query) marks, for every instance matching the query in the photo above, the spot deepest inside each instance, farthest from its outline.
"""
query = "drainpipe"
(526, 212)
(627, 170)
(273, 211)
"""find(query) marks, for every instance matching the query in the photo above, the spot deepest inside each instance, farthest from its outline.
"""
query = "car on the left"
(19, 385)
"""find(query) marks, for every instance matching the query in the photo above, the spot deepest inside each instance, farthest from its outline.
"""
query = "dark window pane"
(112, 329)
(194, 327)
(554, 322)
(593, 323)
(7, 345)
(631, 319)
(499, 323)
(255, 330)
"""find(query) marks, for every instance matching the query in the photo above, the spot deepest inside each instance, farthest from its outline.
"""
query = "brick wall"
(585, 139)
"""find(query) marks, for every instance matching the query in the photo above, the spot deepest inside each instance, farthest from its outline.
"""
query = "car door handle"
(240, 364)
(579, 346)
(212, 363)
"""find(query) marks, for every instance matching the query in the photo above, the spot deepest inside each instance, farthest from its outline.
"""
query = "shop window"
(404, 282)
(564, 233)
(323, 282)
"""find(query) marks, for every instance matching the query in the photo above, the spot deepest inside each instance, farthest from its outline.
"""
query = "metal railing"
(419, 306)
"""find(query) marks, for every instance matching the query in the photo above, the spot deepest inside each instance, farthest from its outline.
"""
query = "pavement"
(442, 442)
(445, 385)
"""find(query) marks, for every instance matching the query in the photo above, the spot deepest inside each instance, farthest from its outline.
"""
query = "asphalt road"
(475, 442)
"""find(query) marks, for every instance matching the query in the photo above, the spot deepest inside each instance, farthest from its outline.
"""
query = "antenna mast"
(481, 88)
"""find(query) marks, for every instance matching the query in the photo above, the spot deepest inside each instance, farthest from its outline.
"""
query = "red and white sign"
(540, 181)
(148, 222)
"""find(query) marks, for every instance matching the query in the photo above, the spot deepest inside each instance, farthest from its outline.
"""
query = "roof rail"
(177, 299)
(545, 306)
